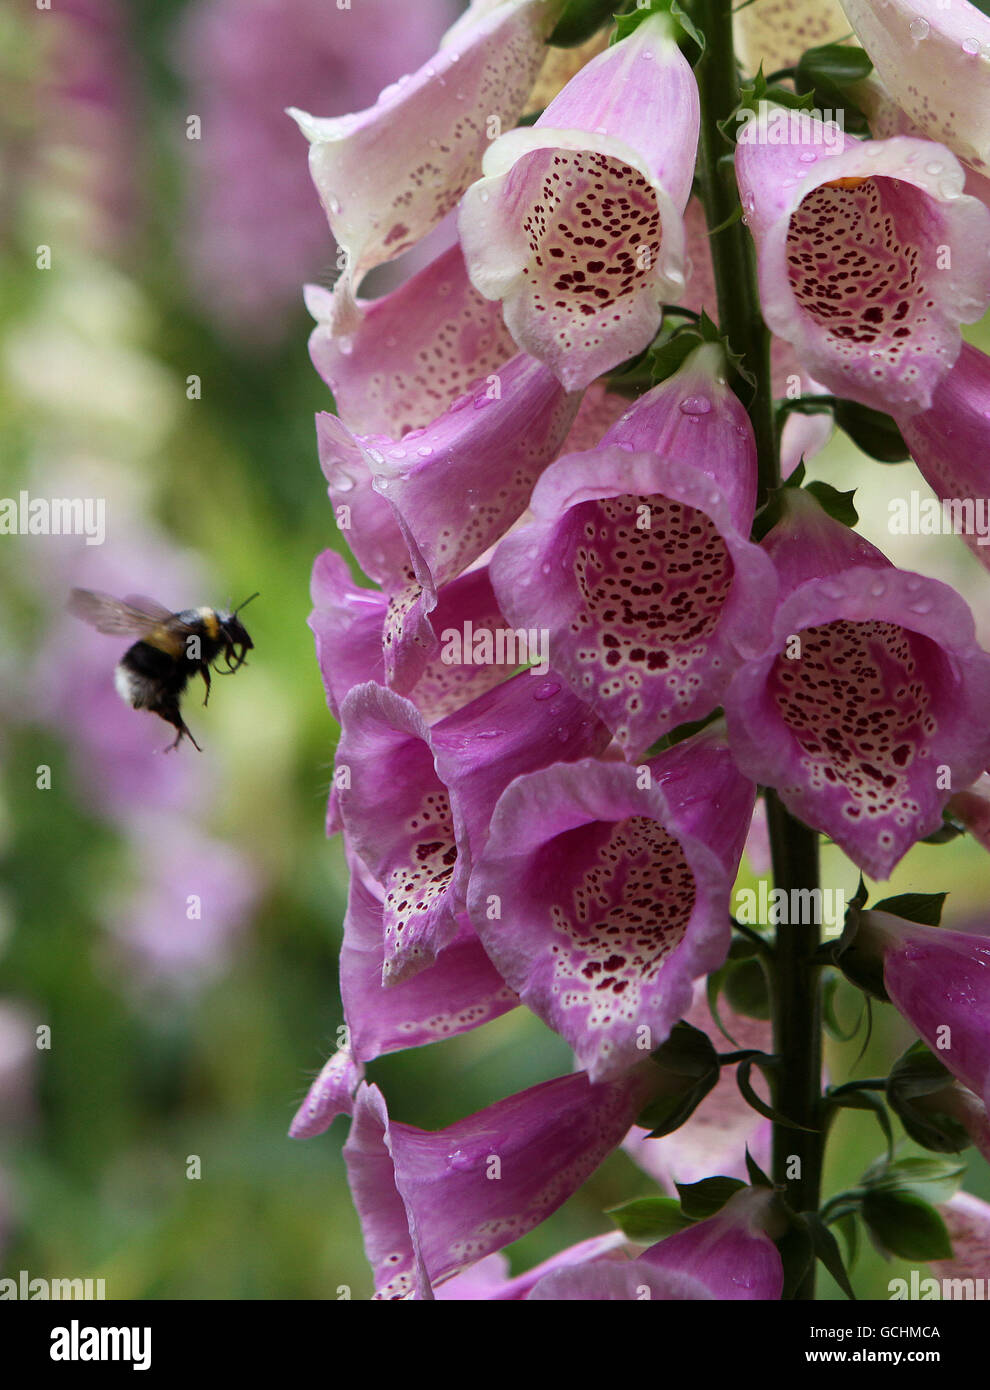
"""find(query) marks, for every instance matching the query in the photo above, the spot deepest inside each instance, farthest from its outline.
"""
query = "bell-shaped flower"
(731, 1255)
(432, 662)
(433, 1202)
(454, 488)
(416, 801)
(864, 708)
(638, 560)
(389, 174)
(950, 442)
(412, 353)
(459, 991)
(869, 255)
(576, 225)
(932, 58)
(774, 33)
(603, 892)
(940, 981)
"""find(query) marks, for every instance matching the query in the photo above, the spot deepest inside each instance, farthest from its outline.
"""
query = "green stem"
(793, 968)
(733, 256)
(796, 1010)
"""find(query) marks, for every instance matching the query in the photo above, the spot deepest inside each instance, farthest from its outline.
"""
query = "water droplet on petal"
(343, 482)
(919, 28)
(424, 451)
(696, 405)
(459, 1161)
(808, 157)
(346, 346)
(483, 197)
(934, 168)
(924, 605)
(547, 691)
(971, 46)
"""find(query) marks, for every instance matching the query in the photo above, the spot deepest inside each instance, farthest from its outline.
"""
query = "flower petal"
(931, 57)
(387, 175)
(410, 353)
(869, 257)
(576, 225)
(602, 893)
(639, 563)
(866, 700)
(542, 1144)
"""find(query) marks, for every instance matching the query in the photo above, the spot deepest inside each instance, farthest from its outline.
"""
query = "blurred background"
(156, 357)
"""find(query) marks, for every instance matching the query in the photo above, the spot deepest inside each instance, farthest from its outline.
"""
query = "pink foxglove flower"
(420, 840)
(459, 991)
(931, 57)
(729, 1256)
(864, 708)
(940, 981)
(454, 488)
(869, 256)
(432, 1203)
(355, 640)
(638, 559)
(389, 174)
(412, 352)
(949, 443)
(603, 892)
(576, 225)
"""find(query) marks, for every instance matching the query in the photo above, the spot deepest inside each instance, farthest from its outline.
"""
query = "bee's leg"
(169, 711)
(204, 671)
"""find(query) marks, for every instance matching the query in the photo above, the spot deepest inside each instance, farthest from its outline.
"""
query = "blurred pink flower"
(257, 230)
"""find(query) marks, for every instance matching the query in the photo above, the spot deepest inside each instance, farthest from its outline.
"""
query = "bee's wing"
(132, 617)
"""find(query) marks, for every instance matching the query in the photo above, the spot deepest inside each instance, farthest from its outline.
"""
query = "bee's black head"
(237, 642)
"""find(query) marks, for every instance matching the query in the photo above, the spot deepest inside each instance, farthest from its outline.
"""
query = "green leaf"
(628, 23)
(687, 1054)
(829, 72)
(700, 1200)
(925, 908)
(872, 431)
(838, 504)
(905, 1225)
(746, 990)
(865, 1100)
(649, 1219)
(830, 987)
(580, 20)
(827, 1251)
(756, 1103)
(757, 1177)
(836, 63)
(930, 1179)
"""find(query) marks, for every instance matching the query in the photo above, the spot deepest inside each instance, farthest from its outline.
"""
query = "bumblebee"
(171, 647)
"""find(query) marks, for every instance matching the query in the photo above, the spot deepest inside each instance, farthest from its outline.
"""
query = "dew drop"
(333, 204)
(459, 1161)
(808, 157)
(424, 451)
(547, 691)
(934, 168)
(696, 405)
(376, 456)
(346, 346)
(924, 605)
(413, 434)
(971, 46)
(483, 197)
(919, 28)
(343, 482)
